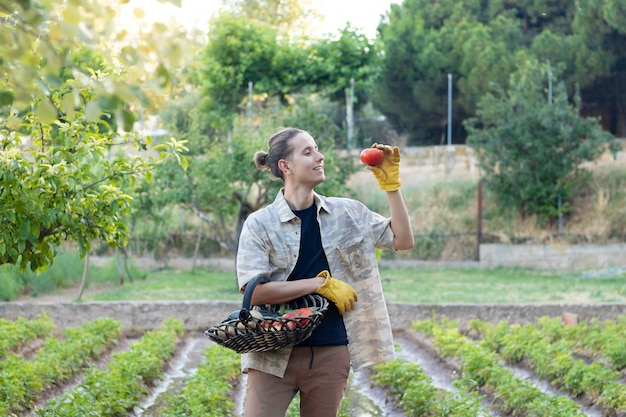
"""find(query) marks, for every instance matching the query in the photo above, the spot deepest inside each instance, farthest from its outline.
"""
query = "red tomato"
(272, 325)
(372, 156)
(299, 315)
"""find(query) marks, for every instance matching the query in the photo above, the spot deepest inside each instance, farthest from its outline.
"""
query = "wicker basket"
(262, 329)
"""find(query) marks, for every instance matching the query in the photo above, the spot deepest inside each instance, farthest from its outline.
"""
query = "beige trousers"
(319, 373)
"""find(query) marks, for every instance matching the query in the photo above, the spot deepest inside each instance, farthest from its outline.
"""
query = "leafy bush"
(109, 271)
(10, 282)
(66, 271)
(531, 148)
(14, 333)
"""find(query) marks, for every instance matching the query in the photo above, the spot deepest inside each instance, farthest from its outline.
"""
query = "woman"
(307, 243)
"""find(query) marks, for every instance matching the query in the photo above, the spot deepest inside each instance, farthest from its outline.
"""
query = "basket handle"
(244, 313)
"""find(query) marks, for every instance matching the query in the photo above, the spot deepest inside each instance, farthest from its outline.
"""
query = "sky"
(362, 15)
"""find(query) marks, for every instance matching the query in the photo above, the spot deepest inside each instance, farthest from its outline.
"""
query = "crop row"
(116, 390)
(207, 392)
(23, 380)
(600, 340)
(482, 371)
(584, 361)
(552, 355)
(112, 391)
(15, 334)
(414, 391)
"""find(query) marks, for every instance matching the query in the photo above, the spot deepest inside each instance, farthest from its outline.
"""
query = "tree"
(240, 52)
(531, 146)
(223, 186)
(476, 41)
(65, 169)
(422, 45)
(600, 24)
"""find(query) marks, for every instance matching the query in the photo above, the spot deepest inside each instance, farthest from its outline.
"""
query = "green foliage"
(287, 16)
(109, 271)
(481, 370)
(531, 147)
(15, 333)
(223, 186)
(242, 51)
(551, 351)
(207, 392)
(23, 380)
(64, 273)
(10, 283)
(116, 390)
(413, 389)
(428, 247)
(476, 42)
(64, 97)
(423, 43)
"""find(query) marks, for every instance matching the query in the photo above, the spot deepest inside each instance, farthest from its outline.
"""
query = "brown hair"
(279, 147)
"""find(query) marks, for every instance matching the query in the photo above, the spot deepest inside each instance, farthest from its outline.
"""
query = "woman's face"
(306, 163)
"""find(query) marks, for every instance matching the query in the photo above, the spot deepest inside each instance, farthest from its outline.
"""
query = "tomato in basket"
(300, 315)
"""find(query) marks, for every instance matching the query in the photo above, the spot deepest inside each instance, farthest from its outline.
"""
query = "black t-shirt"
(311, 261)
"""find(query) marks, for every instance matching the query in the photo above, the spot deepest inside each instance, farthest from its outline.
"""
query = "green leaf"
(46, 112)
(10, 215)
(128, 120)
(6, 98)
(92, 111)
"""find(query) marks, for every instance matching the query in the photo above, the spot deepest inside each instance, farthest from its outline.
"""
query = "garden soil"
(366, 399)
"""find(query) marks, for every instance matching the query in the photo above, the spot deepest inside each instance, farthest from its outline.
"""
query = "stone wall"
(200, 315)
(560, 257)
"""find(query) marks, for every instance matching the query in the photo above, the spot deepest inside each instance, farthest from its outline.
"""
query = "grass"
(498, 285)
(172, 285)
(413, 284)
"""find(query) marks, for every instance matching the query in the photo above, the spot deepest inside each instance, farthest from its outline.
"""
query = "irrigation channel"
(366, 399)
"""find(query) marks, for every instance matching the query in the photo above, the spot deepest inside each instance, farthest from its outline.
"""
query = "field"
(543, 368)
(444, 368)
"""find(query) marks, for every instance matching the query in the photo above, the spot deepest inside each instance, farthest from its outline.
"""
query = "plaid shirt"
(270, 242)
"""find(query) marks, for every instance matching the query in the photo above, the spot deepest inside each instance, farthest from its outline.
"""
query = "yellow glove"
(340, 293)
(388, 172)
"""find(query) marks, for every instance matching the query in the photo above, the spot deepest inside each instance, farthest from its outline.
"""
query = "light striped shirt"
(269, 244)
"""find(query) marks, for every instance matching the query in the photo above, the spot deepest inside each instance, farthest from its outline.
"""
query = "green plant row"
(15, 333)
(119, 388)
(600, 340)
(206, 393)
(413, 390)
(556, 362)
(22, 380)
(481, 371)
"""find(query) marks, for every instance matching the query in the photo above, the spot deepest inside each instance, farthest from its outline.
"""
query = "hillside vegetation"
(444, 211)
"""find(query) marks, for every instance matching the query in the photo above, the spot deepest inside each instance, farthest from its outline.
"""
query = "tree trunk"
(120, 271)
(130, 277)
(196, 250)
(83, 281)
